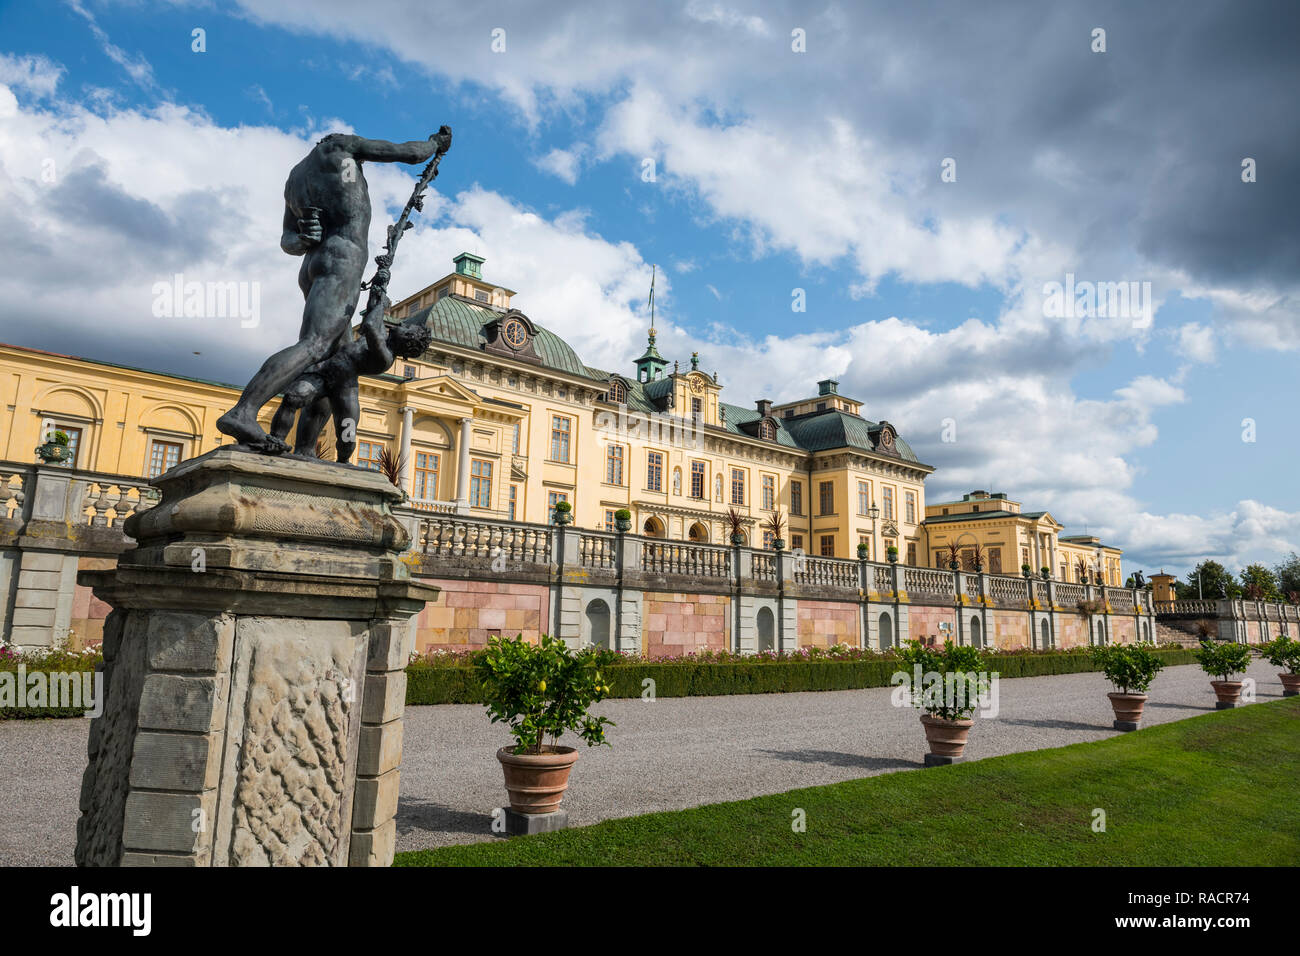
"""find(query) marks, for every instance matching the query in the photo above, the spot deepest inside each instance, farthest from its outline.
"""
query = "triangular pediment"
(442, 388)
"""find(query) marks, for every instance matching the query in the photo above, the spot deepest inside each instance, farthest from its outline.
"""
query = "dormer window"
(480, 295)
(618, 392)
(767, 430)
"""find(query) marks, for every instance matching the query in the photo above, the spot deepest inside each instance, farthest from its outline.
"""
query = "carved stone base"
(254, 672)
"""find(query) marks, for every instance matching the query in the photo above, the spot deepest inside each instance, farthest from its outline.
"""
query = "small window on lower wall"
(796, 541)
(828, 546)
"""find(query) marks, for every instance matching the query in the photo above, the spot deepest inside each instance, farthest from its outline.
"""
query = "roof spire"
(653, 270)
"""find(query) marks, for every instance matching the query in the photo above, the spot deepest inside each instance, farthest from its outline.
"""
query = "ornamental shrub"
(1130, 667)
(1283, 652)
(960, 666)
(541, 690)
(1222, 659)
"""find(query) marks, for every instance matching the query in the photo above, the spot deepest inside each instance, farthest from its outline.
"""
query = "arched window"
(1045, 635)
(766, 430)
(618, 392)
(698, 532)
(886, 630)
(976, 637)
(653, 528)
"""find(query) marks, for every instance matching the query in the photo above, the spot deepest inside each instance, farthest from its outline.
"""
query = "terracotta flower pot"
(947, 738)
(1228, 692)
(1290, 684)
(1128, 709)
(536, 782)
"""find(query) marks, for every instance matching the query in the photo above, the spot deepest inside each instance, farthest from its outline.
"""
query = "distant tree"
(1215, 582)
(1259, 584)
(1288, 574)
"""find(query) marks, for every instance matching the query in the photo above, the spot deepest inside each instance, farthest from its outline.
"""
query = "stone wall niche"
(254, 671)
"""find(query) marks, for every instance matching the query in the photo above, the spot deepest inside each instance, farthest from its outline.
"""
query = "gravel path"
(667, 755)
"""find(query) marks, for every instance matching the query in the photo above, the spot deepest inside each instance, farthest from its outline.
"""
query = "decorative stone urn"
(738, 539)
(947, 739)
(623, 525)
(1290, 684)
(536, 782)
(778, 544)
(52, 453)
(1228, 692)
(1128, 709)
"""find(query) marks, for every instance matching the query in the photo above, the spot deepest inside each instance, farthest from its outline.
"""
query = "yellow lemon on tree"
(541, 685)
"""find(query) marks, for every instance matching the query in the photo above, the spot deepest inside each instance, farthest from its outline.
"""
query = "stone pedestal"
(939, 760)
(254, 671)
(526, 824)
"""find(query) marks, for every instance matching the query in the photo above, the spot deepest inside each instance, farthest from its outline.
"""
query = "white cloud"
(37, 74)
(562, 163)
(1196, 342)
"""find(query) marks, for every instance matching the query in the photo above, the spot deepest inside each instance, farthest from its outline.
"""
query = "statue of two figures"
(326, 222)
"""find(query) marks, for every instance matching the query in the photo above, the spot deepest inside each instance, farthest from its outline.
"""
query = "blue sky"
(776, 170)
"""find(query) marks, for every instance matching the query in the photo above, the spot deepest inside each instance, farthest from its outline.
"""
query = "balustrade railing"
(456, 537)
(1120, 599)
(13, 491)
(667, 557)
(109, 502)
(598, 550)
(764, 567)
(827, 572)
(927, 581)
(882, 578)
(1007, 590)
(1068, 595)
(1040, 593)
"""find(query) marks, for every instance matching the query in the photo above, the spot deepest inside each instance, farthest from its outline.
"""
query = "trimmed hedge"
(457, 685)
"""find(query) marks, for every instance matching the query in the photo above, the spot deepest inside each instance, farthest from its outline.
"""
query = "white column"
(404, 456)
(462, 468)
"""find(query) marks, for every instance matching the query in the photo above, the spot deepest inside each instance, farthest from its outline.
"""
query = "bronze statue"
(326, 221)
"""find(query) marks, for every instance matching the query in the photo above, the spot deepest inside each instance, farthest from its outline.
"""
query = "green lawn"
(1220, 789)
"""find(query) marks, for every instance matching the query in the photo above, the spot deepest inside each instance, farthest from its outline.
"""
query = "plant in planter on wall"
(864, 550)
(952, 682)
(776, 526)
(1046, 573)
(1223, 659)
(735, 526)
(541, 691)
(954, 556)
(1285, 653)
(977, 556)
(891, 552)
(1130, 668)
(563, 512)
(623, 520)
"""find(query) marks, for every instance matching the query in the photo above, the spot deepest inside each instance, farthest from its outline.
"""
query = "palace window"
(560, 428)
(480, 295)
(697, 479)
(910, 499)
(796, 497)
(408, 372)
(911, 553)
(995, 560)
(737, 486)
(766, 430)
(426, 476)
(614, 465)
(514, 439)
(826, 493)
(162, 455)
(888, 494)
(511, 502)
(697, 408)
(864, 497)
(480, 484)
(768, 538)
(368, 454)
(796, 541)
(618, 392)
(828, 546)
(609, 519)
(769, 493)
(654, 471)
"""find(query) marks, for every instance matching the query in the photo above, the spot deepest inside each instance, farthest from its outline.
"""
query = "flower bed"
(56, 661)
(448, 677)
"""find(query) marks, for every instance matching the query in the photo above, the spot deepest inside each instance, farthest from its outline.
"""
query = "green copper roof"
(457, 322)
(976, 515)
(820, 431)
(737, 415)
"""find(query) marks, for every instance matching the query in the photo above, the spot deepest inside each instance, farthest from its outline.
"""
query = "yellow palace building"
(501, 419)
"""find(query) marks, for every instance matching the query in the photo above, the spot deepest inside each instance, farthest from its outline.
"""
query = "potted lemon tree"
(946, 685)
(541, 691)
(1223, 659)
(1285, 653)
(1130, 668)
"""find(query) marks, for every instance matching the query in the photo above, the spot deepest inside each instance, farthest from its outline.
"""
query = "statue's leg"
(326, 317)
(347, 412)
(311, 421)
